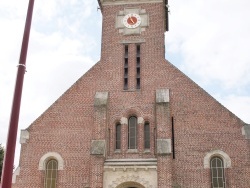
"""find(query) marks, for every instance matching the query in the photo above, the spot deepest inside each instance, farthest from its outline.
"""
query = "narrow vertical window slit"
(138, 67)
(118, 137)
(125, 87)
(146, 136)
(132, 133)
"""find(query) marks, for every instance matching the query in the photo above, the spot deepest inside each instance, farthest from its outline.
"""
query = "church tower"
(132, 46)
(131, 29)
(134, 120)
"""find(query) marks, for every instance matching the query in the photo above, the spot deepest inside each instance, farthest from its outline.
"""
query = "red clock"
(131, 20)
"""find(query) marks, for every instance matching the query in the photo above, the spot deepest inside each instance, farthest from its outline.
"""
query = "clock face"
(131, 20)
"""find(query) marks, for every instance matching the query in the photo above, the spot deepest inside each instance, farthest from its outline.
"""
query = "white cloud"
(60, 51)
(8, 7)
(46, 9)
(237, 105)
(213, 37)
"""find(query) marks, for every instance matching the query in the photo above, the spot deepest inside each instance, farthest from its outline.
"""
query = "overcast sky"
(208, 40)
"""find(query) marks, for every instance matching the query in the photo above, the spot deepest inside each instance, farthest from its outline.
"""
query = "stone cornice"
(246, 131)
(24, 136)
(131, 162)
(123, 2)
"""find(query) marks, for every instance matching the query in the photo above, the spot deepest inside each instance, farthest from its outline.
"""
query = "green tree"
(1, 160)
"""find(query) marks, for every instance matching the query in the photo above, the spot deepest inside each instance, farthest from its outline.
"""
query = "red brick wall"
(201, 123)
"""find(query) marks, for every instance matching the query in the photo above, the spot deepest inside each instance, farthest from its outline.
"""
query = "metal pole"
(6, 180)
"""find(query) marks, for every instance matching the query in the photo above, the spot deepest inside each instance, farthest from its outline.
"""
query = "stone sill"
(117, 151)
(131, 162)
(131, 90)
(132, 151)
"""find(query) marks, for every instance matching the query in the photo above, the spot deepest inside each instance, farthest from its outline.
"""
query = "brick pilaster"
(163, 139)
(99, 139)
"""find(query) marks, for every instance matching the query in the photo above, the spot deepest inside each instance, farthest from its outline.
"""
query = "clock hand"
(131, 20)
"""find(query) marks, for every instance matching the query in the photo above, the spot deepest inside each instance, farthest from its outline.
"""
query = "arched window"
(118, 136)
(132, 132)
(51, 174)
(217, 172)
(146, 136)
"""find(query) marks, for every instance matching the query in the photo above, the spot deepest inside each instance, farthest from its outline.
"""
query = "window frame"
(217, 171)
(132, 136)
(116, 135)
(52, 181)
(147, 136)
(138, 66)
(126, 69)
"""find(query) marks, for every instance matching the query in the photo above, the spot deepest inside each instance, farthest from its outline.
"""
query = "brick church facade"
(134, 120)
